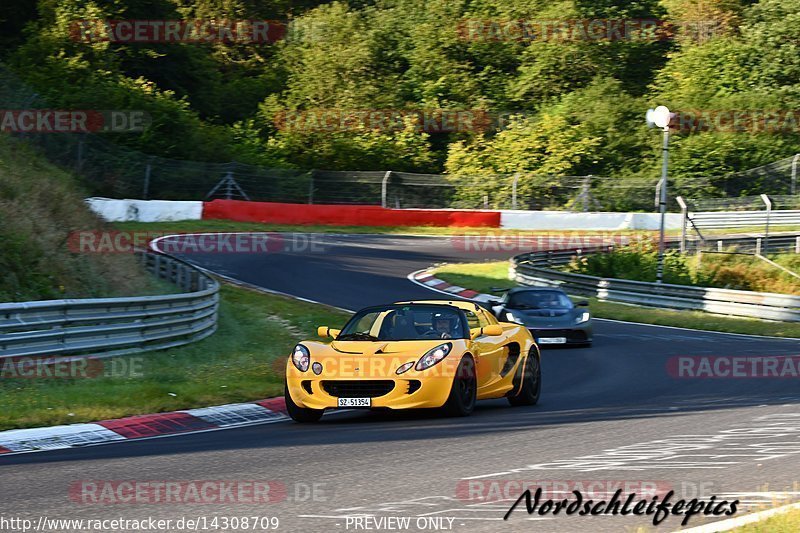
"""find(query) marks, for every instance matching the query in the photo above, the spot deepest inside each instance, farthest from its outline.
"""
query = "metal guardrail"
(739, 219)
(115, 326)
(531, 269)
(757, 245)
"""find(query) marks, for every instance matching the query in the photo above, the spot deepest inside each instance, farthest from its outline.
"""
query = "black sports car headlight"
(301, 357)
(583, 317)
(513, 317)
(433, 356)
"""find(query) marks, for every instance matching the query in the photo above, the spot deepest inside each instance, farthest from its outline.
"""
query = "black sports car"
(548, 313)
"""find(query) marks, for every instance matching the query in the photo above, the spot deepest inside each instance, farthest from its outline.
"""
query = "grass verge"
(788, 522)
(483, 276)
(244, 360)
(40, 208)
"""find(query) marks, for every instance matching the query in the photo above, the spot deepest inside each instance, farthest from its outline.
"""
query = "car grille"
(358, 388)
(571, 335)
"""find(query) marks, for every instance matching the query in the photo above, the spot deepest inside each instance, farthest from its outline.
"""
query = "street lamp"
(661, 117)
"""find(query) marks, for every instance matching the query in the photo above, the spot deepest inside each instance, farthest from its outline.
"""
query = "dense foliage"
(573, 107)
(638, 261)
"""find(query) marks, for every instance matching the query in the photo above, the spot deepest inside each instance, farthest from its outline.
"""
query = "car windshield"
(405, 322)
(539, 300)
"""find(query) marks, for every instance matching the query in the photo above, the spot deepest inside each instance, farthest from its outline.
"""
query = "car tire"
(531, 382)
(300, 414)
(463, 391)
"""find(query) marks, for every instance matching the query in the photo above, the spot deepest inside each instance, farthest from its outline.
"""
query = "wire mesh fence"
(745, 203)
(112, 170)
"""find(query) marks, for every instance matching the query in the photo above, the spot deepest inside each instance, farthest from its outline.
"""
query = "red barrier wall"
(345, 215)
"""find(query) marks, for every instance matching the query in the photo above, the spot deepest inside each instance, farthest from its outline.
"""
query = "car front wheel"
(464, 391)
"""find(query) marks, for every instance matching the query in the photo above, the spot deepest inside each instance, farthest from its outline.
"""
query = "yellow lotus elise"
(425, 354)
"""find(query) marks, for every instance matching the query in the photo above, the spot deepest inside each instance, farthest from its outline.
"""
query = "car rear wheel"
(531, 382)
(300, 414)
(464, 390)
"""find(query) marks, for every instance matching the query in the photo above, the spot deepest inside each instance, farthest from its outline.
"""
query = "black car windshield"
(539, 300)
(405, 322)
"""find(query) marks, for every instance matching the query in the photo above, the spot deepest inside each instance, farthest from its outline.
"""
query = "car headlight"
(583, 317)
(301, 357)
(433, 356)
(404, 368)
(511, 317)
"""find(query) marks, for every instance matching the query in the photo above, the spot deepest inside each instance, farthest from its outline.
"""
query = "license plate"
(553, 340)
(355, 402)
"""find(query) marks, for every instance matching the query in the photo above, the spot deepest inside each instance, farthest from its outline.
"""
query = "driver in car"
(443, 326)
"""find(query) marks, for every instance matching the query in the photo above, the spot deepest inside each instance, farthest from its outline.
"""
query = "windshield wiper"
(358, 336)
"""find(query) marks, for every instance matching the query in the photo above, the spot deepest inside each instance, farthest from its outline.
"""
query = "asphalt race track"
(609, 416)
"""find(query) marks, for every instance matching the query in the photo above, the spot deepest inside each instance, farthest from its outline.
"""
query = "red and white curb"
(426, 279)
(143, 427)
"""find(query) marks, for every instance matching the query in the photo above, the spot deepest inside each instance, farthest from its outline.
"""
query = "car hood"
(545, 316)
(386, 347)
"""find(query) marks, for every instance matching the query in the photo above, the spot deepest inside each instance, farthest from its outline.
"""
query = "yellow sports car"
(426, 354)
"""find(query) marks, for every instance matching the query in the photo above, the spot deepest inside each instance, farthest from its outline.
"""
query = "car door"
(490, 353)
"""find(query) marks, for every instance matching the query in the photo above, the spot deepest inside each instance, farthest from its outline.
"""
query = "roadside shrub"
(638, 261)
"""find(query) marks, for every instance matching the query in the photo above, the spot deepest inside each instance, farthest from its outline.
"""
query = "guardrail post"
(385, 188)
(586, 193)
(719, 246)
(797, 246)
(685, 215)
(768, 203)
(311, 186)
(758, 245)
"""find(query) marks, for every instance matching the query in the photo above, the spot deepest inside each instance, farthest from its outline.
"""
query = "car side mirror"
(493, 330)
(582, 303)
(325, 331)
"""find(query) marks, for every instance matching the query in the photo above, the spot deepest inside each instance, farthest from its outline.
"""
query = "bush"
(638, 261)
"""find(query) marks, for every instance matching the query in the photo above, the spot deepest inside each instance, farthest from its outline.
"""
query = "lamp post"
(661, 117)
